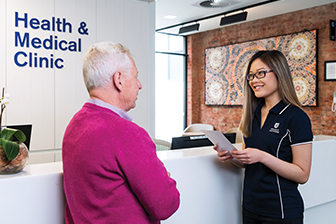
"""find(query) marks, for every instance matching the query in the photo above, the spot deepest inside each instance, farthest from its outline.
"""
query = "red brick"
(226, 117)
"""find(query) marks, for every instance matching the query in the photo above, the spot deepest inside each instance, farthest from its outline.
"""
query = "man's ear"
(117, 80)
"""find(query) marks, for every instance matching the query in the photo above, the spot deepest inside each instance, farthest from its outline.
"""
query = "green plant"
(10, 147)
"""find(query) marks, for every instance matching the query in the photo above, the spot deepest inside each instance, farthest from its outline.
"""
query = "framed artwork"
(330, 71)
(225, 67)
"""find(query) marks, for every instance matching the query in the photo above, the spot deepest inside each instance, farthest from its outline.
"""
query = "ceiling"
(190, 10)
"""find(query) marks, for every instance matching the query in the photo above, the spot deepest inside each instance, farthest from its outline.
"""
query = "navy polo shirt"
(265, 192)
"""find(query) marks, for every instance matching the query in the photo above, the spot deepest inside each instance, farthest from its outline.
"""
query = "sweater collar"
(115, 109)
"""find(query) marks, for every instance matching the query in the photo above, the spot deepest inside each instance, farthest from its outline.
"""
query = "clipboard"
(217, 138)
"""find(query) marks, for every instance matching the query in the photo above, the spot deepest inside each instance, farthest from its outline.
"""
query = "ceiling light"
(215, 3)
(233, 19)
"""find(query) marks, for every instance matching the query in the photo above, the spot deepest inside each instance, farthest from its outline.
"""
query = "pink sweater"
(112, 173)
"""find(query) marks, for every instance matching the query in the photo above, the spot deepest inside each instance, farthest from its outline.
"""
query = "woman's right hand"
(223, 156)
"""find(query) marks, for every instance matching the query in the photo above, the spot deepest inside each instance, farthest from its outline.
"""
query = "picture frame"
(330, 71)
(225, 67)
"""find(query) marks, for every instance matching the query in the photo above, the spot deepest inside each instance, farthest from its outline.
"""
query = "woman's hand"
(223, 155)
(248, 155)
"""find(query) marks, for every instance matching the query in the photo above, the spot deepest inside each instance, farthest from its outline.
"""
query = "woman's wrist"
(263, 157)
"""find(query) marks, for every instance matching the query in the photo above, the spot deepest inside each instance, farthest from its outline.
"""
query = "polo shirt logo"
(275, 128)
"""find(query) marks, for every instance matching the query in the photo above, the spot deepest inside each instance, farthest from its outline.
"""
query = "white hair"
(102, 61)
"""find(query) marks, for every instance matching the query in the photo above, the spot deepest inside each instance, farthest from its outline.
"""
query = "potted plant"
(13, 154)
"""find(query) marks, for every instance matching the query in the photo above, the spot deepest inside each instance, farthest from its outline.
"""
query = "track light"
(186, 29)
(233, 19)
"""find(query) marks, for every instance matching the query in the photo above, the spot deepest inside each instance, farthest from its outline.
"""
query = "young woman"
(277, 144)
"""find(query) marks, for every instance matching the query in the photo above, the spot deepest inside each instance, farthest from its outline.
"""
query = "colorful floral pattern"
(225, 67)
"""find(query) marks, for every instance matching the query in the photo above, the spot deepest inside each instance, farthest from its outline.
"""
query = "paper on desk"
(217, 138)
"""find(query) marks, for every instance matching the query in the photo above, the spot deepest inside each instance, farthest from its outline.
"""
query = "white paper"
(217, 138)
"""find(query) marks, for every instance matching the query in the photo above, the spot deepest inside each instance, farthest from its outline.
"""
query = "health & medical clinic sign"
(27, 43)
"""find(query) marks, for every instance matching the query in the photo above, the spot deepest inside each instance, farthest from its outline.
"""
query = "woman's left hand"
(248, 155)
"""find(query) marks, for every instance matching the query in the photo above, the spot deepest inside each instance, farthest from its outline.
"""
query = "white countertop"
(36, 169)
(37, 191)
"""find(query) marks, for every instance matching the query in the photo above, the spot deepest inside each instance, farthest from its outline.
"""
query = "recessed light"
(170, 17)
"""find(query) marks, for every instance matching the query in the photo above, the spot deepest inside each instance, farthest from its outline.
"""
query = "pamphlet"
(217, 138)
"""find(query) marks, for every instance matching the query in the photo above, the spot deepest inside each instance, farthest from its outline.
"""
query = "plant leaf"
(11, 148)
(20, 135)
(7, 134)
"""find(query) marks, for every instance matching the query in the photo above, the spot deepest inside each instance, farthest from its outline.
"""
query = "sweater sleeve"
(146, 174)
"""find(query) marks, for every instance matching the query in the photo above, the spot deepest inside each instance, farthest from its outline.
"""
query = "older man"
(111, 171)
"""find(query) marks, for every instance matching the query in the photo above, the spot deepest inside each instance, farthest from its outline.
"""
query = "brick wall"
(226, 117)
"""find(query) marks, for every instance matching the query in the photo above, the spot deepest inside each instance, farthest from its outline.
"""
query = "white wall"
(133, 23)
(49, 97)
(2, 43)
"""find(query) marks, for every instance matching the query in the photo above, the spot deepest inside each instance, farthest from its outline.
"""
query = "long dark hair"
(277, 62)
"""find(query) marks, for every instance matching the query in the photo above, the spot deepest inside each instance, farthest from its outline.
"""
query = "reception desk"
(210, 190)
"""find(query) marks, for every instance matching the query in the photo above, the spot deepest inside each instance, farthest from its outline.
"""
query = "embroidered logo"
(275, 128)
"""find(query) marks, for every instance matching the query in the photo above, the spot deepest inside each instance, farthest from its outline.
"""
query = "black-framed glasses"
(259, 75)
